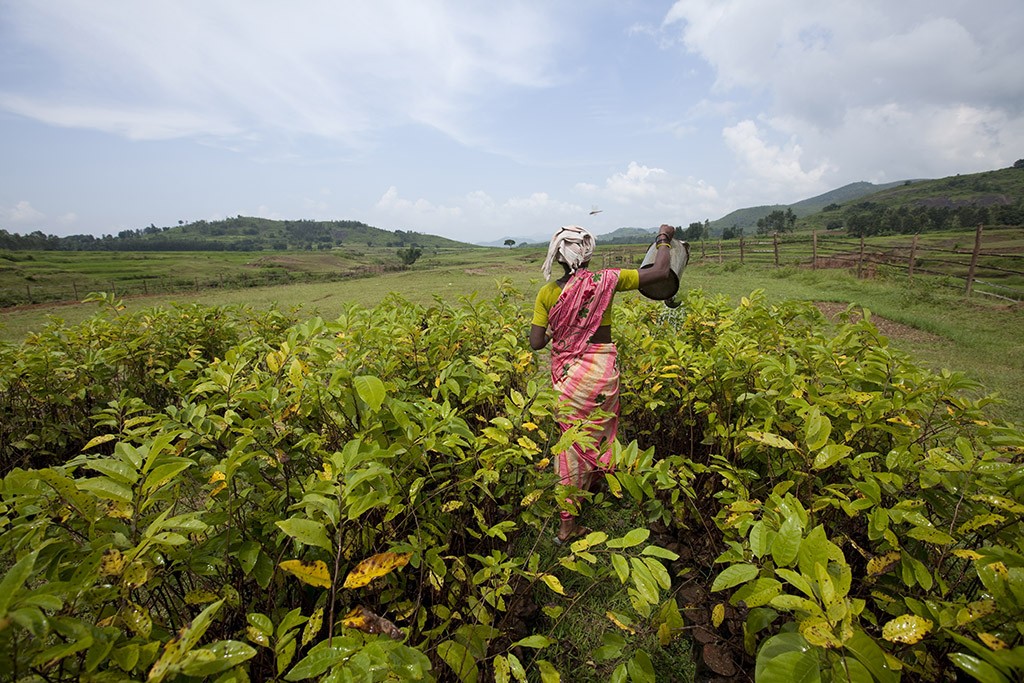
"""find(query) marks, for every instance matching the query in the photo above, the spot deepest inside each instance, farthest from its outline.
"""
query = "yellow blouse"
(547, 296)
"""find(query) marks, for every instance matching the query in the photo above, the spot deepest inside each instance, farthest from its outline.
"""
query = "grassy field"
(938, 326)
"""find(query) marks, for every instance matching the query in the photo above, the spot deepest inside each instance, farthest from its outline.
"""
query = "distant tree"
(1019, 163)
(693, 232)
(732, 232)
(409, 255)
(777, 221)
(510, 243)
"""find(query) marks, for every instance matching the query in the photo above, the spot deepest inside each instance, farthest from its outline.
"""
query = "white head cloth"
(571, 245)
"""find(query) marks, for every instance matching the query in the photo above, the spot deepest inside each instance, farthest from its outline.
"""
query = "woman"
(577, 309)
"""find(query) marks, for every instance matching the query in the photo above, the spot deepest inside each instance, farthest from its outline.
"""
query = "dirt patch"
(891, 329)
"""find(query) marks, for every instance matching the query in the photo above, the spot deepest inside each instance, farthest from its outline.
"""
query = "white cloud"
(653, 195)
(24, 214)
(780, 166)
(852, 86)
(337, 70)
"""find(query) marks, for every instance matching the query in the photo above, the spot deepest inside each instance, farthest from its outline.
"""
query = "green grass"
(977, 336)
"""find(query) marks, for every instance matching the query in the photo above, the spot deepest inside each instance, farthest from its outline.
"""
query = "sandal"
(579, 532)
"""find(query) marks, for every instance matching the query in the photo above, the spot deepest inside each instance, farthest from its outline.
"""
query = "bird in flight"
(594, 210)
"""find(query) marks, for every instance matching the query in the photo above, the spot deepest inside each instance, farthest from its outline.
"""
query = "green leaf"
(656, 551)
(119, 471)
(830, 455)
(787, 658)
(14, 579)
(733, 575)
(163, 473)
(459, 659)
(868, 653)
(106, 488)
(773, 440)
(535, 641)
(321, 657)
(217, 657)
(797, 580)
(817, 429)
(621, 566)
(633, 538)
(758, 592)
(786, 544)
(548, 673)
(371, 390)
(306, 531)
(980, 670)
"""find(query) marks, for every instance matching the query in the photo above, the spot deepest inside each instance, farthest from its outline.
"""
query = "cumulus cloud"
(652, 194)
(840, 79)
(24, 214)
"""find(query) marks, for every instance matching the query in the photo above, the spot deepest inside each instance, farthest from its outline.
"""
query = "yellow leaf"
(967, 554)
(313, 626)
(615, 620)
(718, 614)
(97, 440)
(531, 498)
(975, 610)
(529, 426)
(992, 641)
(327, 474)
(451, 505)
(817, 631)
(542, 463)
(553, 583)
(112, 563)
(314, 573)
(136, 574)
(257, 636)
(375, 566)
(216, 476)
(907, 629)
(883, 563)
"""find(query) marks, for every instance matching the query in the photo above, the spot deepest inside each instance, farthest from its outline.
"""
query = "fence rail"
(994, 272)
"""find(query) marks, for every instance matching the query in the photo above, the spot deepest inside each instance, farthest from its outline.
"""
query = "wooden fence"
(995, 271)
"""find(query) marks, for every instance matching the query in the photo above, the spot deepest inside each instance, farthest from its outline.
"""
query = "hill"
(242, 233)
(746, 219)
(955, 202)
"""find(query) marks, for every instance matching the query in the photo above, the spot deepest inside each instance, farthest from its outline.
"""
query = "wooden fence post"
(741, 249)
(775, 247)
(74, 286)
(702, 254)
(28, 290)
(913, 256)
(860, 259)
(974, 260)
(814, 249)
(720, 259)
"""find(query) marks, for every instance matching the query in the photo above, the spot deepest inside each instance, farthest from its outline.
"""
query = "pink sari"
(586, 375)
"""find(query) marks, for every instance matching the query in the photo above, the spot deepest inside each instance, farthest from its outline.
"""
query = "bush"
(243, 497)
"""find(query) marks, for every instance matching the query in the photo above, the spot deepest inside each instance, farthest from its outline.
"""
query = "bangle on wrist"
(659, 245)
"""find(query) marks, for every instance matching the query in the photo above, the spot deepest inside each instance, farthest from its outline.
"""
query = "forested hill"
(241, 233)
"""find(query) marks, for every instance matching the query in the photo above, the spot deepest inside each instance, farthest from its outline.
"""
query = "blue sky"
(485, 120)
